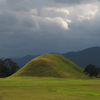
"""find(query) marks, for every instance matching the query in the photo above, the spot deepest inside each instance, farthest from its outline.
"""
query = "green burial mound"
(51, 65)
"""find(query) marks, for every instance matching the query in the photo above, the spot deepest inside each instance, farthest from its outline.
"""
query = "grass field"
(49, 77)
(36, 88)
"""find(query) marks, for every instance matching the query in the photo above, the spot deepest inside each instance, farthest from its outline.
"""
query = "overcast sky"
(45, 26)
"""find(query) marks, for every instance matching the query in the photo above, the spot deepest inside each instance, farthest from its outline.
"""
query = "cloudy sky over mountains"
(45, 26)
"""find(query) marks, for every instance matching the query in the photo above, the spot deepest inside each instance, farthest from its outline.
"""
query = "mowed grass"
(51, 65)
(49, 77)
(36, 88)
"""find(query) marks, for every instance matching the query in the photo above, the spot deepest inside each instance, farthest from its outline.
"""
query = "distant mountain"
(85, 57)
(22, 61)
(81, 58)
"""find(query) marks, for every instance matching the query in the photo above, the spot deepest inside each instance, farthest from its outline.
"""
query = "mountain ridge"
(84, 57)
(81, 58)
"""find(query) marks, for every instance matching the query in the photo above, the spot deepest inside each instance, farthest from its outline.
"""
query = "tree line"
(91, 70)
(7, 67)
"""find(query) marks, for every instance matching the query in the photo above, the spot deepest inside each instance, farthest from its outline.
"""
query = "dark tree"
(3, 69)
(12, 67)
(98, 72)
(7, 67)
(91, 70)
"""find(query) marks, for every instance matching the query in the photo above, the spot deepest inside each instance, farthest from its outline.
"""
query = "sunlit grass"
(56, 78)
(36, 88)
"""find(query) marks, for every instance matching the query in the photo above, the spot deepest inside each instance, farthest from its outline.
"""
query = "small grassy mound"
(51, 65)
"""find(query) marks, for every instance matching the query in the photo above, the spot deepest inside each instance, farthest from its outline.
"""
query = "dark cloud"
(25, 5)
(73, 2)
(38, 27)
(69, 1)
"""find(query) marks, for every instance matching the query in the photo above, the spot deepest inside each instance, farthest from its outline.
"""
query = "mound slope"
(51, 65)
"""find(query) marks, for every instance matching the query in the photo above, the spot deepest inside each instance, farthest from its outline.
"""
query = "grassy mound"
(51, 65)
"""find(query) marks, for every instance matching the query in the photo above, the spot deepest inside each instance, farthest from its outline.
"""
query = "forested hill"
(85, 57)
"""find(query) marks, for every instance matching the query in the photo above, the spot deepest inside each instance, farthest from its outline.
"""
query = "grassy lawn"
(31, 88)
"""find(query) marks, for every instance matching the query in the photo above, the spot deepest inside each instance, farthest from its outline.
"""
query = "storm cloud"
(44, 26)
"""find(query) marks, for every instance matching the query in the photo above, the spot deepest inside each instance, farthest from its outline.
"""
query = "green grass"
(51, 65)
(44, 88)
(49, 77)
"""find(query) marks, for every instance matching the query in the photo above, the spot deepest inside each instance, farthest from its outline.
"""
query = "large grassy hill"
(51, 65)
